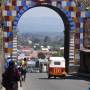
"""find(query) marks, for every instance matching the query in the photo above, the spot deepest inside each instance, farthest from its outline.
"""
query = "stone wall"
(85, 61)
(1, 46)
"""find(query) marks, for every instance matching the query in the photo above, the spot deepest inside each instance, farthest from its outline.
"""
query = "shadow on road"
(71, 77)
(76, 77)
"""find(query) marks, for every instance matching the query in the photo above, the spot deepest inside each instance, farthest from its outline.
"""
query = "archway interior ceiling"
(12, 10)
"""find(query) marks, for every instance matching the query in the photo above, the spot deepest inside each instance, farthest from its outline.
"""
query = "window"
(57, 63)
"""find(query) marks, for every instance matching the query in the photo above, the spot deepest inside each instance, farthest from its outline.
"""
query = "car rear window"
(57, 63)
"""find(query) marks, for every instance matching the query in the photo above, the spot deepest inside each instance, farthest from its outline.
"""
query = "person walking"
(21, 72)
(10, 77)
(24, 71)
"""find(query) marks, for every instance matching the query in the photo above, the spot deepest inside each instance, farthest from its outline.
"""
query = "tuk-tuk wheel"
(48, 76)
(55, 77)
(64, 76)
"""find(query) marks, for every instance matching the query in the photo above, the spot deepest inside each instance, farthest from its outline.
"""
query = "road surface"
(39, 81)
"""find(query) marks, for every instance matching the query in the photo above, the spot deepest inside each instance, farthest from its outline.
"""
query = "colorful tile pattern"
(13, 10)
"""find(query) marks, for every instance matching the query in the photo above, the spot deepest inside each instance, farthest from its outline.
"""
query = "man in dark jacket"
(10, 77)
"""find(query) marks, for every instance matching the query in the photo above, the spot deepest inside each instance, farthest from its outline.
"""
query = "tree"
(41, 55)
(46, 40)
(36, 40)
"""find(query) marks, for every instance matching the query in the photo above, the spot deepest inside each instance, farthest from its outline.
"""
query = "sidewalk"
(19, 88)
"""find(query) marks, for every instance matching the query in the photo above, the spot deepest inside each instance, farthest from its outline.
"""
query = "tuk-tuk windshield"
(57, 63)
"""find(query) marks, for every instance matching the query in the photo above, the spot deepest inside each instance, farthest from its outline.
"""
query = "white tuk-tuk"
(56, 67)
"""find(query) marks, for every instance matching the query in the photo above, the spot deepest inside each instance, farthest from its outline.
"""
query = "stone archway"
(66, 24)
(13, 9)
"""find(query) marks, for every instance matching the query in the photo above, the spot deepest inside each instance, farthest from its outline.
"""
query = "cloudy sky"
(40, 19)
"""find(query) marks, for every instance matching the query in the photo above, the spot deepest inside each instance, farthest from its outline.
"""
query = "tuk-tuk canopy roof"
(56, 58)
